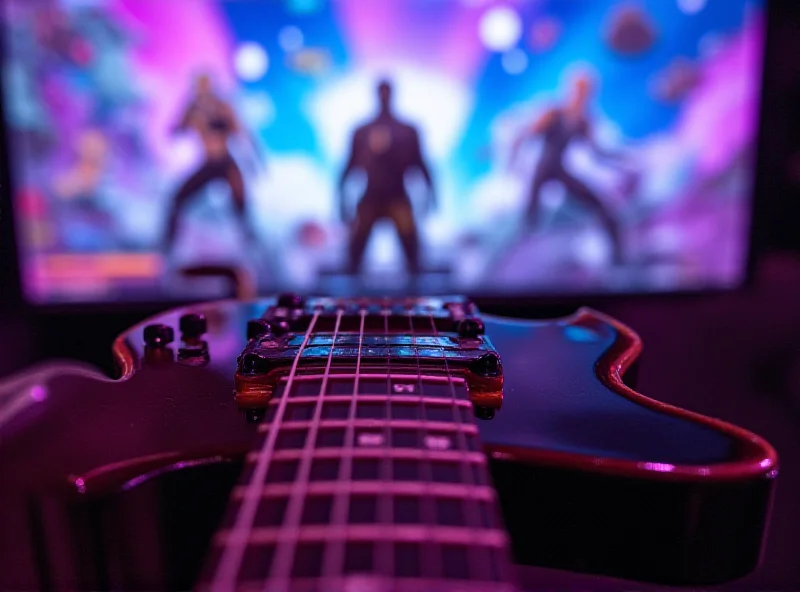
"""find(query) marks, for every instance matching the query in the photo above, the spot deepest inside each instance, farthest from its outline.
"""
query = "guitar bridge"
(421, 339)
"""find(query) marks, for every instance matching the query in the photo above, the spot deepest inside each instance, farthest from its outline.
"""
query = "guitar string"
(383, 560)
(226, 575)
(287, 547)
(333, 561)
(483, 467)
(450, 383)
(341, 514)
(428, 506)
(466, 468)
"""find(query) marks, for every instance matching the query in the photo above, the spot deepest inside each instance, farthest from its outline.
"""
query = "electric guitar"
(367, 445)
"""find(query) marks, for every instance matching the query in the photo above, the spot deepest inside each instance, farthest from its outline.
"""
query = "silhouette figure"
(559, 127)
(385, 149)
(214, 121)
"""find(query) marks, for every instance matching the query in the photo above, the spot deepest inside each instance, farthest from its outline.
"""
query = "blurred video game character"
(52, 31)
(544, 34)
(101, 53)
(29, 116)
(630, 30)
(674, 84)
(215, 122)
(84, 218)
(558, 128)
(385, 149)
(83, 180)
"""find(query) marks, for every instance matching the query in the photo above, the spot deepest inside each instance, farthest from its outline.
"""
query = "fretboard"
(363, 480)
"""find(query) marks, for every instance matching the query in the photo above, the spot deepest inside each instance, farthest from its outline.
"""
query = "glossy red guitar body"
(121, 483)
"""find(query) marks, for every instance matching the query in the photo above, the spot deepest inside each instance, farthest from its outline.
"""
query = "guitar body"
(122, 483)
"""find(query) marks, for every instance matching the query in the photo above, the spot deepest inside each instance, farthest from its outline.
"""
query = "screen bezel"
(12, 293)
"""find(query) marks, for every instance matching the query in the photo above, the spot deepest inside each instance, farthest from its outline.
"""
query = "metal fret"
(374, 582)
(394, 397)
(399, 488)
(393, 453)
(483, 537)
(391, 423)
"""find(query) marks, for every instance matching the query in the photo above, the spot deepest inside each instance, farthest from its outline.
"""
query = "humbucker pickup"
(425, 337)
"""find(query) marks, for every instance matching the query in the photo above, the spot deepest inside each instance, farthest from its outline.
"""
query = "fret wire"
(484, 537)
(333, 558)
(226, 575)
(285, 553)
(482, 492)
(394, 453)
(382, 398)
(444, 426)
(432, 559)
(372, 583)
(375, 374)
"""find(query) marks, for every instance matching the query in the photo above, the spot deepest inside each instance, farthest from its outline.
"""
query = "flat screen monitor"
(493, 147)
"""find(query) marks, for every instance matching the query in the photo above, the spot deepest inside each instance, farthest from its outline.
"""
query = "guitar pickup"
(367, 348)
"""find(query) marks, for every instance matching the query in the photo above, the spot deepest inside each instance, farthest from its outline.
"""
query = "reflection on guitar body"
(370, 444)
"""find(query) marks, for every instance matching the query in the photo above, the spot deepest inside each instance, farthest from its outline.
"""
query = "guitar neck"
(364, 474)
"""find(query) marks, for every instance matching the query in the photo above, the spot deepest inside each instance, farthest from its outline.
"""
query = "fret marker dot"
(437, 442)
(370, 439)
(403, 388)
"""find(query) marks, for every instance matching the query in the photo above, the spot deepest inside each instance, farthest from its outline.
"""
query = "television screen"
(494, 147)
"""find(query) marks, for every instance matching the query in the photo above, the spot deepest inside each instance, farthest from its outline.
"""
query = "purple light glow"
(659, 467)
(38, 393)
(375, 31)
(168, 51)
(721, 114)
(144, 477)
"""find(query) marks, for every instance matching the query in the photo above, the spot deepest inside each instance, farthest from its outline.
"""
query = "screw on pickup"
(419, 338)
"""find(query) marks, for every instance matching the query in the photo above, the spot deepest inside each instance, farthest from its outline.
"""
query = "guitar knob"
(487, 366)
(253, 364)
(470, 328)
(193, 326)
(158, 335)
(279, 327)
(257, 328)
(290, 300)
(195, 350)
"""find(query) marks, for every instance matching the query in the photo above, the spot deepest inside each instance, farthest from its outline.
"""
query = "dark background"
(731, 355)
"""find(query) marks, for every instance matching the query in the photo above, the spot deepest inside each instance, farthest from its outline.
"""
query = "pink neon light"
(660, 467)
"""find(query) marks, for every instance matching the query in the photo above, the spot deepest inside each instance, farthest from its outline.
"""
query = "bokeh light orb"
(311, 234)
(515, 61)
(500, 28)
(290, 38)
(691, 6)
(544, 34)
(251, 62)
(257, 109)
